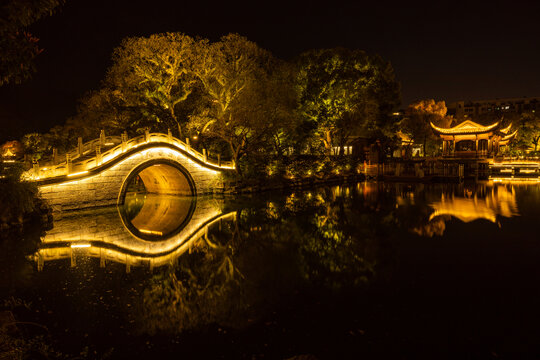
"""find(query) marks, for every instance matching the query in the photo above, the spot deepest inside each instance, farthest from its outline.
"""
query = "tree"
(528, 126)
(153, 76)
(245, 98)
(100, 110)
(18, 47)
(418, 116)
(345, 92)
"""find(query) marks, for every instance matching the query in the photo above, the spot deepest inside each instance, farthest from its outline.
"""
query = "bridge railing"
(71, 167)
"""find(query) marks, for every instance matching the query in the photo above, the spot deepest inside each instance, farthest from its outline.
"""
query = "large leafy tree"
(245, 98)
(416, 123)
(152, 76)
(528, 135)
(345, 92)
(18, 47)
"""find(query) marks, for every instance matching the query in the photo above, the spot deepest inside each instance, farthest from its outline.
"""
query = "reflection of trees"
(197, 290)
(15, 248)
(342, 250)
(312, 238)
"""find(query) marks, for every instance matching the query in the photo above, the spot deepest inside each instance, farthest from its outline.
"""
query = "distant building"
(11, 150)
(463, 110)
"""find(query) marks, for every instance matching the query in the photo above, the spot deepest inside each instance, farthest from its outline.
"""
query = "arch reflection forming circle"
(164, 207)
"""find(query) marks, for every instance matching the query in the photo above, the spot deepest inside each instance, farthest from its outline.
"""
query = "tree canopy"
(416, 123)
(345, 92)
(246, 100)
(18, 47)
(233, 97)
(528, 136)
(152, 76)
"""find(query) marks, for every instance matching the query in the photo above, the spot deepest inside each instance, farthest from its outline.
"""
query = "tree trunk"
(173, 115)
(327, 140)
(235, 155)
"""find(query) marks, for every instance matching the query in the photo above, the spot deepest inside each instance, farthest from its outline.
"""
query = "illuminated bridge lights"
(132, 251)
(101, 160)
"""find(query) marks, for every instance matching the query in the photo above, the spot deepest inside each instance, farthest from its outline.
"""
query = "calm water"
(383, 270)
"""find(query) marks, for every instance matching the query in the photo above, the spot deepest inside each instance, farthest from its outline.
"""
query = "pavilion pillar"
(444, 147)
(476, 145)
(102, 138)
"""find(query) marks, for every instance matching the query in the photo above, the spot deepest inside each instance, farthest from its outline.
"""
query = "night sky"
(447, 50)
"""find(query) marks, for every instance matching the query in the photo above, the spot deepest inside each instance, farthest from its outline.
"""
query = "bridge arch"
(166, 166)
(151, 215)
(160, 176)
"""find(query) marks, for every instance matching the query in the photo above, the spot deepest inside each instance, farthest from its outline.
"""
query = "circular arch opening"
(157, 199)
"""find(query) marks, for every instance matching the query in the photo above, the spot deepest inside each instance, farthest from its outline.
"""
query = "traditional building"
(469, 139)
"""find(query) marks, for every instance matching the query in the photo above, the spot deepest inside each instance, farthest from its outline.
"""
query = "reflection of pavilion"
(500, 201)
(159, 231)
(470, 139)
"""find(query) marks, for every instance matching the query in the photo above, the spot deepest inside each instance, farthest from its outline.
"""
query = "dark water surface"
(368, 270)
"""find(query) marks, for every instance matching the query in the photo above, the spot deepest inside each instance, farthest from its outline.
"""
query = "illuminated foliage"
(345, 92)
(528, 136)
(416, 123)
(152, 76)
(246, 99)
(19, 198)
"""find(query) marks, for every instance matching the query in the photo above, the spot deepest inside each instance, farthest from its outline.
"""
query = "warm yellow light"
(151, 232)
(80, 246)
(78, 173)
(518, 180)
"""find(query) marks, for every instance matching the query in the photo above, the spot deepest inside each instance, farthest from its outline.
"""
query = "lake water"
(368, 269)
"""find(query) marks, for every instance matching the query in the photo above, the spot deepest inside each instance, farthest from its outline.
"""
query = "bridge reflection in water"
(148, 230)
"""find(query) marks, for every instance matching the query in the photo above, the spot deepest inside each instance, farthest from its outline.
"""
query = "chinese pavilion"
(469, 139)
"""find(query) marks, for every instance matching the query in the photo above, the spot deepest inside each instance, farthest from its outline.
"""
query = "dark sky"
(447, 50)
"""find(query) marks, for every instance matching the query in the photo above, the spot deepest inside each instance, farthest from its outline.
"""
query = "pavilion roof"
(506, 129)
(466, 127)
(509, 136)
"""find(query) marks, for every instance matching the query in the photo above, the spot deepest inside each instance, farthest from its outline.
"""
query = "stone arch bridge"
(90, 176)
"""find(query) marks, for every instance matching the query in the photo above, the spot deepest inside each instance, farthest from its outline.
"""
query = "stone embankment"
(254, 186)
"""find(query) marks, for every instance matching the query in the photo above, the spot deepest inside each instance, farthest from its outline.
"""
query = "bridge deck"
(111, 148)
